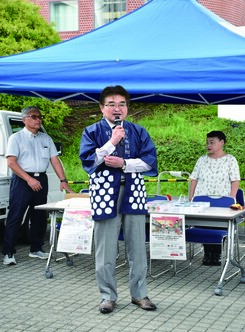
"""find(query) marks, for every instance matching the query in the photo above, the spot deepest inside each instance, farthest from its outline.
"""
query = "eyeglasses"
(35, 117)
(114, 105)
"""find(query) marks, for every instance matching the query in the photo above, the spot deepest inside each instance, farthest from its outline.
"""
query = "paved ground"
(69, 301)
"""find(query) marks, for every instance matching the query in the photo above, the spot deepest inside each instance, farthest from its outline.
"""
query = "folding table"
(55, 209)
(220, 218)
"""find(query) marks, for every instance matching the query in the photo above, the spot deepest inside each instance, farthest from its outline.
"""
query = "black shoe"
(217, 259)
(106, 306)
(144, 303)
(207, 259)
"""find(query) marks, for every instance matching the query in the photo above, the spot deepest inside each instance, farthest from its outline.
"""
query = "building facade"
(75, 17)
(232, 11)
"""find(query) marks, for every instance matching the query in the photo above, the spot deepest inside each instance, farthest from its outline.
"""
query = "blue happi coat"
(104, 184)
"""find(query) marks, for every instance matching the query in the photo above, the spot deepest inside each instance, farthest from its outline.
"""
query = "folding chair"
(206, 235)
(240, 200)
(240, 197)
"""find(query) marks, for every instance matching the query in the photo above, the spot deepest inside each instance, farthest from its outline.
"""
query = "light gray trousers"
(106, 234)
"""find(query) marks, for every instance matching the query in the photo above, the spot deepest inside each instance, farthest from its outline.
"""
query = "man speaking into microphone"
(116, 154)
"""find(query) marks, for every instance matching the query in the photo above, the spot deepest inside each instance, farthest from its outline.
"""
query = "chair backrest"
(151, 198)
(84, 191)
(222, 201)
(240, 197)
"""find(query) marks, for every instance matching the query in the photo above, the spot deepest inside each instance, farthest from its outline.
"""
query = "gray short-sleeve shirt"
(33, 152)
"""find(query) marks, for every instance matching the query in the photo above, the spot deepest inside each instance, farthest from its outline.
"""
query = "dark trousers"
(21, 198)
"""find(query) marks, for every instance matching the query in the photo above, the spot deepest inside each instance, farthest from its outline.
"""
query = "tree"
(23, 29)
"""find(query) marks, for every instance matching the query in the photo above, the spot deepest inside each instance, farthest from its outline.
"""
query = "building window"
(106, 11)
(64, 14)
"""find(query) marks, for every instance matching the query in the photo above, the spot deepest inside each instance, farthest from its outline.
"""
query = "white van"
(11, 122)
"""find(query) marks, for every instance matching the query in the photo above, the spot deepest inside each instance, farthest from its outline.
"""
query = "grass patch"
(179, 133)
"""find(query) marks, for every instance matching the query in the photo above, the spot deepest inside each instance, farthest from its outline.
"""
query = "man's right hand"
(34, 184)
(118, 133)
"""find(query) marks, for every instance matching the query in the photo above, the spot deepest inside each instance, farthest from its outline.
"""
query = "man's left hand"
(112, 161)
(64, 186)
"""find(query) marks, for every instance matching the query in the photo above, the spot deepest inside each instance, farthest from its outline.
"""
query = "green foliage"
(22, 28)
(73, 165)
(179, 133)
(54, 112)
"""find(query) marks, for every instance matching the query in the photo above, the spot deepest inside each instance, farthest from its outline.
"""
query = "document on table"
(78, 202)
(76, 232)
(167, 236)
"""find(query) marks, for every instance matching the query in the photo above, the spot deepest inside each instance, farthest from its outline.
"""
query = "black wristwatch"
(124, 165)
(64, 180)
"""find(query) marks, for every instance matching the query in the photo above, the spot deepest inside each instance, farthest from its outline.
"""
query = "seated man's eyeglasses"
(35, 117)
(114, 105)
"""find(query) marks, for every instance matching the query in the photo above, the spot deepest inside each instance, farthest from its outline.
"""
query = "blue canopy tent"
(168, 51)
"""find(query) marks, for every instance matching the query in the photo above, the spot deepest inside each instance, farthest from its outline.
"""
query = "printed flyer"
(76, 232)
(167, 236)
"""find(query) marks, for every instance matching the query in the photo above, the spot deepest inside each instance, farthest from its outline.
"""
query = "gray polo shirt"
(33, 152)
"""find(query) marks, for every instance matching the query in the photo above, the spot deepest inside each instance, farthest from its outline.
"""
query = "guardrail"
(146, 180)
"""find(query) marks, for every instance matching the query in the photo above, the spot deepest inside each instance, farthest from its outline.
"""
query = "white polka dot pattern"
(102, 194)
(138, 192)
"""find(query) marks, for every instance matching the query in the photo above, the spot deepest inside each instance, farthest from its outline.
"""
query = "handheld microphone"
(117, 120)
(118, 123)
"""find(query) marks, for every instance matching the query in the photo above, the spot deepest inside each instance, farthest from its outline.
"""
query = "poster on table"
(167, 236)
(76, 232)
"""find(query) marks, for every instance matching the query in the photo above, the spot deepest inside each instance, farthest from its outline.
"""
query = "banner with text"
(76, 232)
(167, 236)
